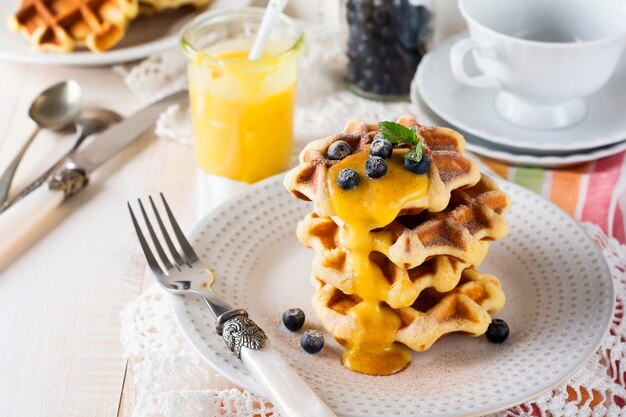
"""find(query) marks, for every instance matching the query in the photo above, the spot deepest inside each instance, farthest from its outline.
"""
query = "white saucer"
(472, 110)
(487, 149)
(528, 157)
(558, 310)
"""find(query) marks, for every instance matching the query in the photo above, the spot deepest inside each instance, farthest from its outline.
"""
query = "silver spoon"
(54, 109)
(91, 121)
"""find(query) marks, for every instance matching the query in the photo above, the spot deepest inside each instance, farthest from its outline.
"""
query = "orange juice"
(243, 110)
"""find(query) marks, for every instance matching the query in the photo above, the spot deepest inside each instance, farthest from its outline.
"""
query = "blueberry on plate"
(293, 319)
(381, 147)
(347, 179)
(375, 167)
(339, 150)
(419, 167)
(312, 341)
(498, 331)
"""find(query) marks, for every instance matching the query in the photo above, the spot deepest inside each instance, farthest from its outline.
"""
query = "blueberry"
(312, 341)
(381, 147)
(293, 319)
(375, 167)
(347, 179)
(339, 150)
(381, 16)
(420, 167)
(387, 32)
(498, 331)
(377, 88)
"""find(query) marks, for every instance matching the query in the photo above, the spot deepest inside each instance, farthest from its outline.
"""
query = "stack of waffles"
(396, 257)
(64, 25)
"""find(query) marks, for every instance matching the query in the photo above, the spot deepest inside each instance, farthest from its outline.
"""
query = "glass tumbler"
(242, 110)
(386, 42)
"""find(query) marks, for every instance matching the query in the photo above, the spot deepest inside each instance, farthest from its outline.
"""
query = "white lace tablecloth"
(173, 381)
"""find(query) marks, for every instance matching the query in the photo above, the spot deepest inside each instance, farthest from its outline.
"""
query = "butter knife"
(73, 174)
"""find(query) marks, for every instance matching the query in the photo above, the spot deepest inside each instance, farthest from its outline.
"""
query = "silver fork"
(182, 272)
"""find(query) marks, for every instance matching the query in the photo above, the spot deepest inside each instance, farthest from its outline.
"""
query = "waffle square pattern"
(396, 257)
(65, 25)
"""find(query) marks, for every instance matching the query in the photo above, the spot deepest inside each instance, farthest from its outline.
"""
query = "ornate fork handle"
(238, 331)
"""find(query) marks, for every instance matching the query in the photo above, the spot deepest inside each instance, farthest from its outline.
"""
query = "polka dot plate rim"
(560, 300)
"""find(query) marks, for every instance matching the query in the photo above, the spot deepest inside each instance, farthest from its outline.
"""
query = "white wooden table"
(63, 289)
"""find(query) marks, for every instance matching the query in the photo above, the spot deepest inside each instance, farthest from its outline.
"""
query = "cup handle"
(457, 57)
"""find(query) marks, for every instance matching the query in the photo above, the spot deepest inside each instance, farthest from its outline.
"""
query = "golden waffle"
(417, 251)
(449, 170)
(149, 7)
(395, 256)
(434, 314)
(63, 25)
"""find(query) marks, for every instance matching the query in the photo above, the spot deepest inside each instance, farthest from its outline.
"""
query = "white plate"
(144, 37)
(528, 157)
(559, 305)
(472, 110)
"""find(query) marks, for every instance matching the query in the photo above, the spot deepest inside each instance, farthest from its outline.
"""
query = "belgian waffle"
(63, 25)
(433, 314)
(417, 251)
(450, 169)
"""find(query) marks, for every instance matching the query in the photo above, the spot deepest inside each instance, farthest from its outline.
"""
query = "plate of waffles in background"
(94, 32)
(461, 250)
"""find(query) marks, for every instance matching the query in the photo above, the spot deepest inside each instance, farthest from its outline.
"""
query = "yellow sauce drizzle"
(372, 204)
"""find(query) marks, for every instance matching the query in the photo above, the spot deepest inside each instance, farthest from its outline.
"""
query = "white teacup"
(545, 55)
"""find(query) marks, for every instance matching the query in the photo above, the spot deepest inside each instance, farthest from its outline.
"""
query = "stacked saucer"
(442, 100)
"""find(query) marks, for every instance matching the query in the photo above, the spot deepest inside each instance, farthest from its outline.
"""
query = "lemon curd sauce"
(372, 204)
(243, 110)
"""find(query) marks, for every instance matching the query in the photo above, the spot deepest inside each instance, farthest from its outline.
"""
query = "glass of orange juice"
(242, 110)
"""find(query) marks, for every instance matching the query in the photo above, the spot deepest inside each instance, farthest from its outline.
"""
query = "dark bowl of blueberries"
(386, 42)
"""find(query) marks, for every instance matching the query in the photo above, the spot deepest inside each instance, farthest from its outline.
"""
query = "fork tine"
(170, 245)
(155, 239)
(180, 236)
(147, 252)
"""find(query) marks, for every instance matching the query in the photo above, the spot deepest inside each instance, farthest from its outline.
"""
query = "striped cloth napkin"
(592, 192)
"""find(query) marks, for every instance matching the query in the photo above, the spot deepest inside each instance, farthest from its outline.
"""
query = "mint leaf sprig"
(398, 134)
